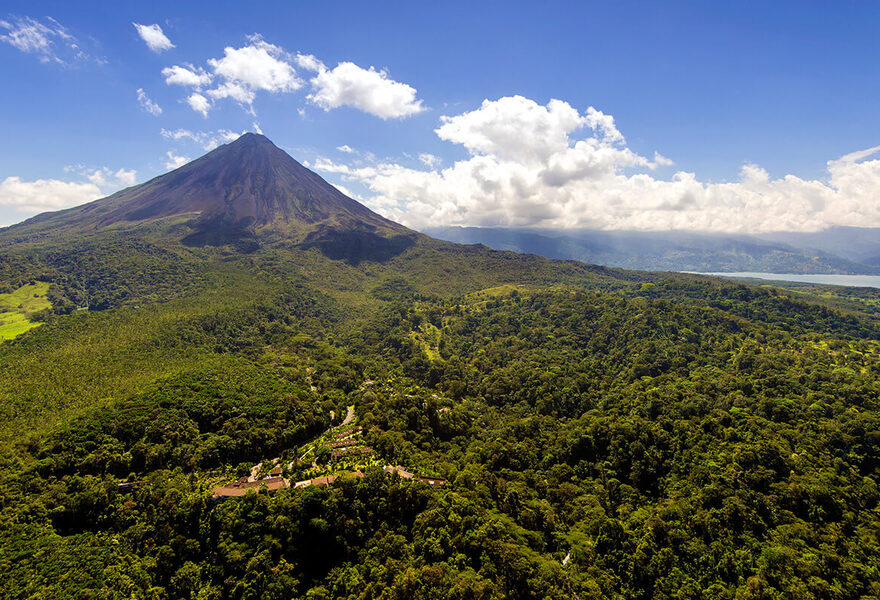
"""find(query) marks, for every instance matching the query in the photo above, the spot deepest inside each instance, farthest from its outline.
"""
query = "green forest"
(603, 433)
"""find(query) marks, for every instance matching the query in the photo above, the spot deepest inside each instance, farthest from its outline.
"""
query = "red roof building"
(341, 443)
(399, 470)
(273, 484)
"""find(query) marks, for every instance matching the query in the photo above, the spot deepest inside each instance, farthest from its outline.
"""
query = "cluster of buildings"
(343, 443)
(404, 474)
(241, 486)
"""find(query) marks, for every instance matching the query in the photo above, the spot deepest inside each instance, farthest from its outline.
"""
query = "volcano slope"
(603, 433)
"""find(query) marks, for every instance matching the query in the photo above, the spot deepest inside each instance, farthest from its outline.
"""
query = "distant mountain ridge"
(822, 252)
(857, 244)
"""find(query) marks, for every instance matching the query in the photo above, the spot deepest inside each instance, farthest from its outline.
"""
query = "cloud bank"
(55, 194)
(533, 165)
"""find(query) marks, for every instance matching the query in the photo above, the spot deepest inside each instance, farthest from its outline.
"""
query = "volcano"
(247, 190)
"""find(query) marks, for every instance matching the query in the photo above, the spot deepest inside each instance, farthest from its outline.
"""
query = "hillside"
(598, 433)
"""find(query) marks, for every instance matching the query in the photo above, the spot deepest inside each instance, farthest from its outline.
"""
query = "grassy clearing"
(28, 298)
(17, 307)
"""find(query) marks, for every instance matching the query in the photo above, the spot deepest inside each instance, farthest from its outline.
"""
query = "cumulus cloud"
(520, 129)
(369, 90)
(154, 37)
(53, 194)
(429, 160)
(344, 190)
(175, 160)
(47, 39)
(199, 103)
(45, 194)
(345, 148)
(309, 62)
(242, 73)
(239, 74)
(147, 104)
(533, 165)
(257, 66)
(186, 75)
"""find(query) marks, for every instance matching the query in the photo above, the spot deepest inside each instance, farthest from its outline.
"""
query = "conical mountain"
(247, 187)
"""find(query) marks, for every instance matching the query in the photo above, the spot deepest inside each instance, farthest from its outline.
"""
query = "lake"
(872, 281)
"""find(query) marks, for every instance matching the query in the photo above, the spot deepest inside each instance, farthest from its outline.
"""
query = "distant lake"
(872, 281)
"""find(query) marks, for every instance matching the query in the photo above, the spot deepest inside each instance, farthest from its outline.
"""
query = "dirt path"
(349, 415)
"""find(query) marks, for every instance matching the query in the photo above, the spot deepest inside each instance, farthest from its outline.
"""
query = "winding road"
(349, 417)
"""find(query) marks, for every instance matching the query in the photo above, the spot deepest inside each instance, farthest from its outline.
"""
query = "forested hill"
(591, 432)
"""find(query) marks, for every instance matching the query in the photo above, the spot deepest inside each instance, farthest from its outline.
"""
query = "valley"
(528, 427)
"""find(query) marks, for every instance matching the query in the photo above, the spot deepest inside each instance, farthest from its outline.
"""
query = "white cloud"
(552, 166)
(106, 178)
(186, 75)
(345, 148)
(28, 35)
(45, 194)
(258, 66)
(147, 104)
(662, 161)
(239, 75)
(238, 92)
(47, 39)
(53, 194)
(514, 128)
(242, 73)
(309, 62)
(366, 89)
(206, 139)
(128, 178)
(174, 160)
(199, 103)
(153, 36)
(429, 160)
(344, 190)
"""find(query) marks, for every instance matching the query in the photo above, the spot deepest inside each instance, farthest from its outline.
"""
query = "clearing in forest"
(17, 307)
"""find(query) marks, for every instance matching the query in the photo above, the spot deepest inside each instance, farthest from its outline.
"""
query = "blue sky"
(711, 116)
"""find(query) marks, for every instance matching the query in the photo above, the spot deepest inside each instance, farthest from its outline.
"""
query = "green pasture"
(16, 308)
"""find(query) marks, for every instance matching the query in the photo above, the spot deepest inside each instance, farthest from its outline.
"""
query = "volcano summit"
(247, 191)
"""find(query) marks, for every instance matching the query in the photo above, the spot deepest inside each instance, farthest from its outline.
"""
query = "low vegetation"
(602, 437)
(23, 309)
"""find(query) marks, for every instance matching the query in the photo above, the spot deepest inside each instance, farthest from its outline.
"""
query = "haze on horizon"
(685, 117)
